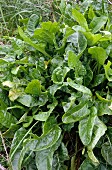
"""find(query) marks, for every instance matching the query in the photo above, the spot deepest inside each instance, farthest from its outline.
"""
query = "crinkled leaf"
(79, 87)
(98, 131)
(106, 152)
(97, 23)
(32, 22)
(43, 116)
(6, 118)
(40, 143)
(59, 74)
(76, 113)
(99, 54)
(27, 100)
(44, 158)
(79, 41)
(34, 87)
(86, 127)
(98, 79)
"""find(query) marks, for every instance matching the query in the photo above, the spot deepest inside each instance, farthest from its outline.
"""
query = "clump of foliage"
(55, 84)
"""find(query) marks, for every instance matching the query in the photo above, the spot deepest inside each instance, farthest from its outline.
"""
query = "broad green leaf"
(98, 53)
(80, 19)
(76, 113)
(92, 38)
(20, 133)
(79, 41)
(6, 118)
(47, 32)
(27, 100)
(34, 87)
(97, 23)
(59, 74)
(106, 152)
(72, 59)
(98, 80)
(86, 127)
(44, 158)
(98, 131)
(39, 47)
(87, 165)
(79, 87)
(108, 71)
(43, 116)
(46, 141)
(103, 108)
(49, 124)
(32, 23)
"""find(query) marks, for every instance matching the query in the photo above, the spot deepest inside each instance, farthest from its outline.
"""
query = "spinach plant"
(55, 84)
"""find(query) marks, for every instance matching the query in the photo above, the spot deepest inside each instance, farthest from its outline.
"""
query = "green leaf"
(44, 158)
(80, 19)
(20, 133)
(39, 47)
(34, 87)
(43, 116)
(62, 6)
(104, 108)
(98, 53)
(79, 87)
(98, 132)
(98, 80)
(59, 74)
(6, 118)
(45, 141)
(27, 100)
(108, 71)
(86, 127)
(79, 41)
(32, 23)
(72, 59)
(76, 113)
(97, 23)
(92, 38)
(87, 165)
(106, 152)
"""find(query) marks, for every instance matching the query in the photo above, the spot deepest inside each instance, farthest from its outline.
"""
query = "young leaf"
(39, 47)
(34, 87)
(32, 22)
(97, 23)
(86, 127)
(99, 54)
(80, 19)
(72, 59)
(108, 71)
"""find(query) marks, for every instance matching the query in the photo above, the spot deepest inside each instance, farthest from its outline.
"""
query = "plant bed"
(55, 84)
